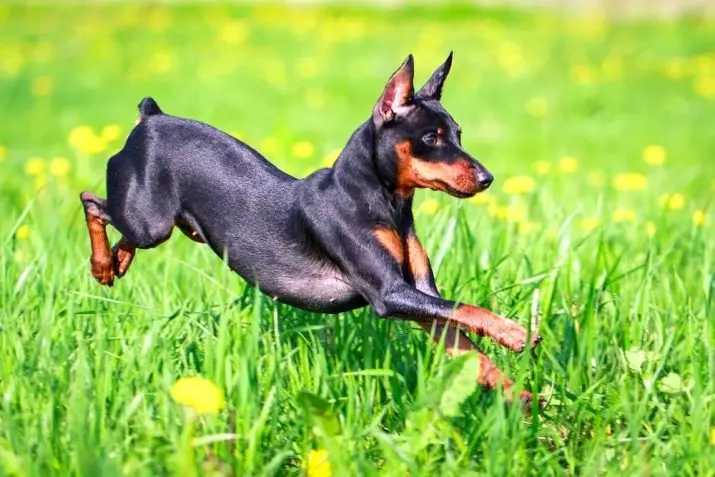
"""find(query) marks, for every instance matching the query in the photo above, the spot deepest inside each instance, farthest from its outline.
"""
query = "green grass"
(627, 363)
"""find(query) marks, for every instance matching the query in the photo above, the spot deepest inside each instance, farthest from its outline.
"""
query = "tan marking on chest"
(418, 262)
(390, 240)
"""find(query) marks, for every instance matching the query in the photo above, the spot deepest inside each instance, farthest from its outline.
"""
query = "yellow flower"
(705, 86)
(330, 159)
(303, 149)
(42, 86)
(317, 464)
(525, 228)
(518, 185)
(3, 153)
(268, 146)
(537, 107)
(568, 165)
(35, 166)
(699, 217)
(200, 394)
(84, 139)
(542, 167)
(234, 33)
(630, 181)
(596, 179)
(588, 223)
(512, 213)
(624, 214)
(650, 228)
(22, 232)
(483, 198)
(654, 155)
(111, 132)
(59, 166)
(429, 207)
(672, 201)
(315, 98)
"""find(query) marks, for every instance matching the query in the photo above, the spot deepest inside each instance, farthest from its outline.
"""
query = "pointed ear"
(433, 88)
(397, 97)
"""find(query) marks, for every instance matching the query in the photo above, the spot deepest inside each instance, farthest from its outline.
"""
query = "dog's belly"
(325, 292)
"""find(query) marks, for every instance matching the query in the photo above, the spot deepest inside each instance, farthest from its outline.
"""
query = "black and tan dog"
(337, 240)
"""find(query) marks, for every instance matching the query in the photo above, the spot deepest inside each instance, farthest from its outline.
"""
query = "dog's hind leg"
(101, 262)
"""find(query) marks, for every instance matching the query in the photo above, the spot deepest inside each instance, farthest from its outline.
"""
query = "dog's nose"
(485, 179)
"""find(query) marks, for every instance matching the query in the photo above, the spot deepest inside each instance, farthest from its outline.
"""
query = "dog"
(342, 238)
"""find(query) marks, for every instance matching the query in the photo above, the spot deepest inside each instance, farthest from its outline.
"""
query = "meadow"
(599, 226)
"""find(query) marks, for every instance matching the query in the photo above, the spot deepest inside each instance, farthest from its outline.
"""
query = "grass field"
(600, 222)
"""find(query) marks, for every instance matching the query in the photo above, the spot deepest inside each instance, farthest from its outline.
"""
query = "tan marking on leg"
(101, 258)
(456, 342)
(504, 331)
(123, 253)
(390, 240)
(417, 260)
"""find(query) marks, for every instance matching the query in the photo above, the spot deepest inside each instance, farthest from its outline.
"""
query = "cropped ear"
(433, 87)
(397, 97)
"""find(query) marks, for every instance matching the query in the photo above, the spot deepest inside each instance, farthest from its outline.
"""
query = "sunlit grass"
(599, 225)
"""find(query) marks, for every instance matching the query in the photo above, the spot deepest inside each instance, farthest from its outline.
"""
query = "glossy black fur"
(310, 242)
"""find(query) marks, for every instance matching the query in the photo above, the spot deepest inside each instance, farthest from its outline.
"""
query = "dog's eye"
(430, 139)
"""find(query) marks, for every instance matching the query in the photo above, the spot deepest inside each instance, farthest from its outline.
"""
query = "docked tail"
(148, 107)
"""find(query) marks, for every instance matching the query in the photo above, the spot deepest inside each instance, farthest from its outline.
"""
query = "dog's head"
(418, 142)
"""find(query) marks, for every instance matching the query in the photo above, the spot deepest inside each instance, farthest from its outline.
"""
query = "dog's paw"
(102, 269)
(121, 259)
(514, 336)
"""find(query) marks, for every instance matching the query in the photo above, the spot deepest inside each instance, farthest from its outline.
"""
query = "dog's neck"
(357, 172)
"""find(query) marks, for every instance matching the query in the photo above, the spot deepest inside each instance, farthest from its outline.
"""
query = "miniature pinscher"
(342, 238)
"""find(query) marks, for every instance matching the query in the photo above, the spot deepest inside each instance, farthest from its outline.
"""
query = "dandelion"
(654, 155)
(630, 181)
(35, 166)
(111, 132)
(268, 145)
(705, 86)
(22, 232)
(42, 86)
(330, 159)
(303, 149)
(234, 33)
(568, 165)
(84, 139)
(650, 228)
(3, 153)
(537, 107)
(672, 201)
(699, 217)
(315, 98)
(199, 394)
(317, 464)
(596, 179)
(519, 185)
(59, 167)
(512, 213)
(429, 207)
(526, 228)
(624, 214)
(542, 167)
(588, 224)
(483, 198)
